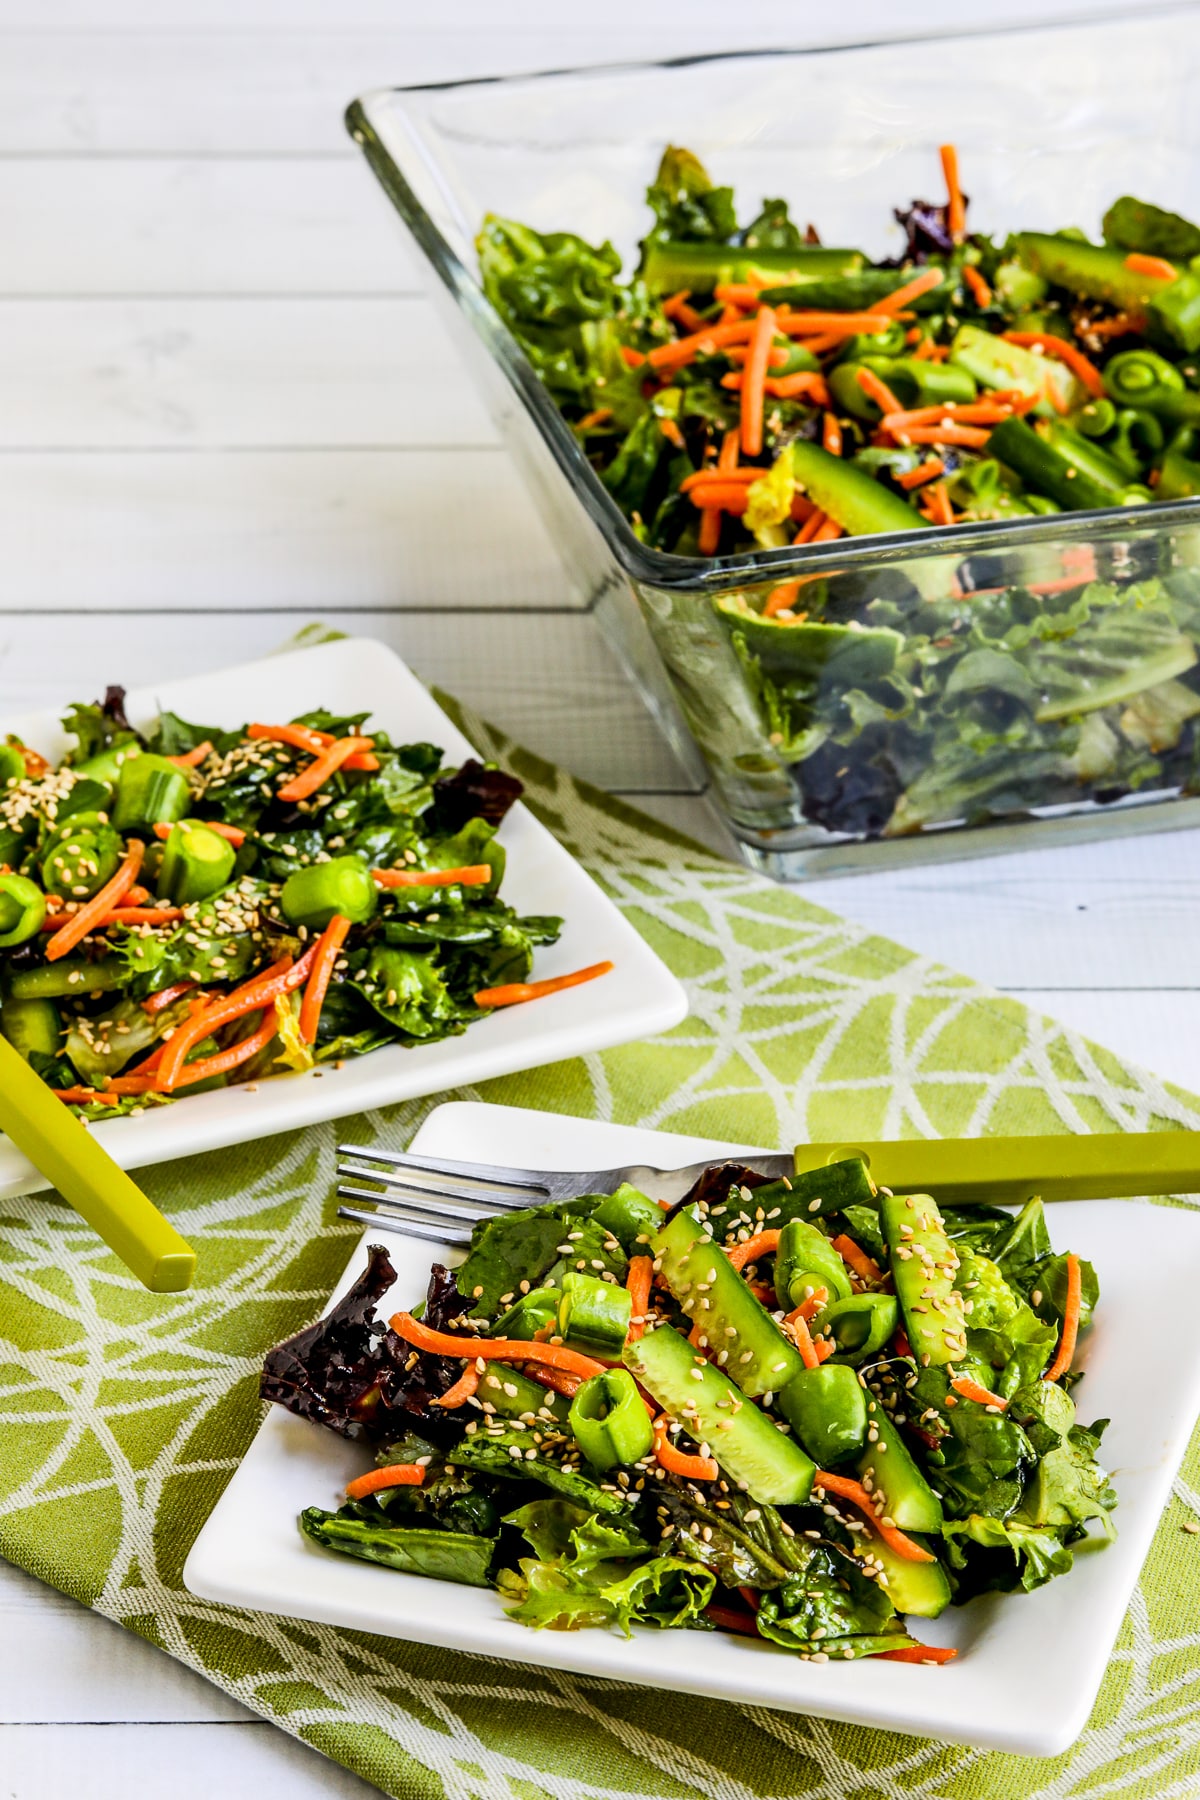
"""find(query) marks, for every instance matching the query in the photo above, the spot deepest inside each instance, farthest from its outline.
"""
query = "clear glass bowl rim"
(703, 575)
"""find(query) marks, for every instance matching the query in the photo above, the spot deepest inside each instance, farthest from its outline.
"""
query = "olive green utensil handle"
(1005, 1171)
(65, 1152)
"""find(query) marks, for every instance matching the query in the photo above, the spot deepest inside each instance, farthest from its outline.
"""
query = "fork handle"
(1005, 1171)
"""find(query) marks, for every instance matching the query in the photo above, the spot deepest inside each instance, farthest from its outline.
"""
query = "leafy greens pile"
(161, 873)
(861, 1412)
(748, 387)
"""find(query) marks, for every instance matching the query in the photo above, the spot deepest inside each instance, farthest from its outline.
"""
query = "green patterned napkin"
(122, 1414)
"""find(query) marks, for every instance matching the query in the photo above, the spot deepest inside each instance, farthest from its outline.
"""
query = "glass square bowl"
(824, 763)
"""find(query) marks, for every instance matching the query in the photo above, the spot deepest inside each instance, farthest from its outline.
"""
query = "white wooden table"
(213, 431)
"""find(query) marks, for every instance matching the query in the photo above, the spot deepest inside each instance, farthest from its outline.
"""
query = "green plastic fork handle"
(58, 1144)
(1005, 1171)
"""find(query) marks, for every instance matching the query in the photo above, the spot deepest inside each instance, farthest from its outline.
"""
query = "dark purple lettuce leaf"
(711, 1188)
(113, 707)
(351, 1373)
(927, 229)
(473, 792)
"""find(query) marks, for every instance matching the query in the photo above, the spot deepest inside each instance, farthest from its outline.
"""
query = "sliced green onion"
(610, 1420)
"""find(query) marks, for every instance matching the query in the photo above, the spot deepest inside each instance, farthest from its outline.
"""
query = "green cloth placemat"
(123, 1414)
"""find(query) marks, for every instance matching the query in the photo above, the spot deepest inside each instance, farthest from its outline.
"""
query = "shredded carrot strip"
(971, 1390)
(231, 833)
(515, 993)
(918, 1653)
(463, 1388)
(720, 496)
(824, 1347)
(854, 1491)
(811, 526)
(191, 759)
(1070, 1329)
(446, 1343)
(323, 767)
(987, 412)
(710, 521)
(831, 434)
(559, 1381)
(1120, 325)
(742, 294)
(676, 307)
(89, 916)
(599, 416)
(843, 324)
(35, 762)
(697, 343)
(912, 290)
(969, 436)
(1062, 352)
(633, 359)
(938, 504)
(306, 737)
(903, 1347)
(877, 390)
(638, 1279)
(398, 1475)
(716, 473)
(763, 1243)
(737, 353)
(781, 599)
(808, 1309)
(473, 875)
(280, 978)
(167, 997)
(804, 1342)
(826, 531)
(753, 378)
(1157, 267)
(956, 206)
(692, 1468)
(140, 915)
(84, 1096)
(981, 293)
(933, 465)
(864, 1266)
(672, 433)
(317, 985)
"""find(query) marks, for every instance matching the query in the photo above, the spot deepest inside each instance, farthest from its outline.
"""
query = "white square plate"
(638, 998)
(1029, 1665)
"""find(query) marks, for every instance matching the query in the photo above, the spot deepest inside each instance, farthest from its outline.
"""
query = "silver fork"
(435, 1198)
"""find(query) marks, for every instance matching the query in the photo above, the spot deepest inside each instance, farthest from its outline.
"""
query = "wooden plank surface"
(226, 413)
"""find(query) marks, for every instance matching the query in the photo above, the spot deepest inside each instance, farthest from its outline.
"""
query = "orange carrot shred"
(971, 437)
(85, 1096)
(448, 1343)
(317, 985)
(804, 1342)
(918, 1653)
(1157, 267)
(678, 1462)
(878, 390)
(462, 1390)
(710, 521)
(781, 599)
(1063, 352)
(1070, 1327)
(397, 1475)
(971, 1390)
(322, 767)
(638, 1279)
(933, 465)
(763, 1243)
(864, 1266)
(191, 759)
(810, 528)
(472, 875)
(167, 997)
(826, 531)
(981, 293)
(753, 377)
(912, 290)
(854, 1491)
(307, 737)
(808, 1309)
(252, 996)
(232, 833)
(599, 416)
(517, 992)
(89, 915)
(672, 433)
(956, 207)
(831, 434)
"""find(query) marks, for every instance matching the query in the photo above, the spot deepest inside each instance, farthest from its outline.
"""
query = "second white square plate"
(1029, 1665)
(349, 675)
